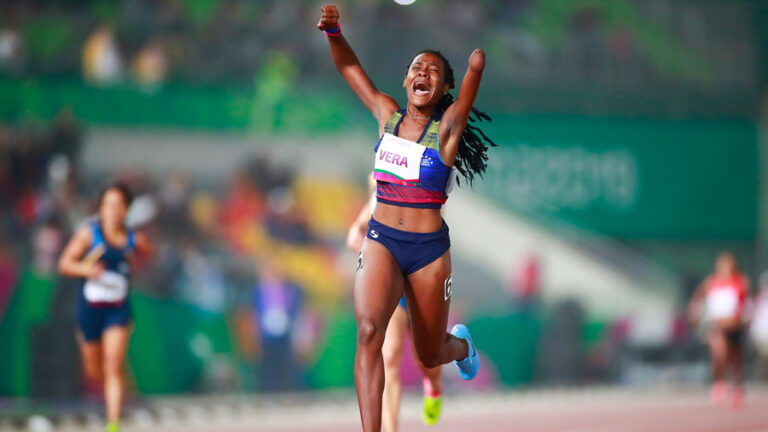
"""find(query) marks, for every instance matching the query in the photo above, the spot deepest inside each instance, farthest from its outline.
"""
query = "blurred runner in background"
(101, 253)
(720, 301)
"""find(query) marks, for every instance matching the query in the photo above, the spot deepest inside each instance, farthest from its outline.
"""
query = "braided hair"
(473, 144)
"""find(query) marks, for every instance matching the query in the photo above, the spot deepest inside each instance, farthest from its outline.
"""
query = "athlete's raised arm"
(457, 115)
(379, 104)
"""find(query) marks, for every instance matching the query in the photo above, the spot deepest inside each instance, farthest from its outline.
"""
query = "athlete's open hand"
(329, 19)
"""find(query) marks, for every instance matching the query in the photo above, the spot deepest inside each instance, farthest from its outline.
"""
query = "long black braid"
(472, 156)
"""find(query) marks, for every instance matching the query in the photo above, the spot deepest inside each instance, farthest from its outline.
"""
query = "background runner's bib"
(398, 158)
(722, 303)
(109, 287)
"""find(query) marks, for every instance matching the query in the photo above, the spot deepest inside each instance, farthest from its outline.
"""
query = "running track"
(601, 410)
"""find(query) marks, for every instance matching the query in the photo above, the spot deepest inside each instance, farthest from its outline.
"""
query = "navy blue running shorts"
(412, 251)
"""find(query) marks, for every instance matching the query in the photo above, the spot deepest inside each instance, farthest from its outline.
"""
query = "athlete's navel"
(401, 222)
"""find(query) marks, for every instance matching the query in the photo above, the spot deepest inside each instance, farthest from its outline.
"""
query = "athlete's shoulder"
(90, 222)
(744, 279)
(84, 231)
(393, 118)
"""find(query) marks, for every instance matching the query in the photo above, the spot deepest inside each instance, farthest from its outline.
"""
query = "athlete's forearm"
(349, 67)
(457, 115)
(143, 245)
(72, 268)
(470, 84)
(342, 54)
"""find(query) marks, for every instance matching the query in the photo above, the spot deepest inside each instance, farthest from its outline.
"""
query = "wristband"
(336, 32)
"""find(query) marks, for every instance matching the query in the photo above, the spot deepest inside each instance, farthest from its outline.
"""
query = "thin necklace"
(408, 110)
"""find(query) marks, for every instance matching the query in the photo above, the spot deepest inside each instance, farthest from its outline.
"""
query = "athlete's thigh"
(378, 284)
(91, 354)
(718, 346)
(428, 300)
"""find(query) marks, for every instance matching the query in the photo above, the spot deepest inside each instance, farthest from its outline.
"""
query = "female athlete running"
(724, 295)
(101, 253)
(394, 340)
(406, 251)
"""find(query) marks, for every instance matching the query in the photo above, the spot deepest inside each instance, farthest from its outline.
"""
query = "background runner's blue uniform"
(96, 316)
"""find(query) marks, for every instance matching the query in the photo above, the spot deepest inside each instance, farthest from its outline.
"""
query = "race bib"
(722, 303)
(109, 287)
(398, 160)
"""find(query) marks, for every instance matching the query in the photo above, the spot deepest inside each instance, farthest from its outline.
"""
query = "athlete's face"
(113, 209)
(725, 265)
(425, 81)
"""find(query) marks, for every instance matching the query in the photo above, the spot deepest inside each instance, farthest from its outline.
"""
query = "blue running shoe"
(469, 366)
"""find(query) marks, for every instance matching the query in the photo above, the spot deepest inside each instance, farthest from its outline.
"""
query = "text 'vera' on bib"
(109, 287)
(398, 160)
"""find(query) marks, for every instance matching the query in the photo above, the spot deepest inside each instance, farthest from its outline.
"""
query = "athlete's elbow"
(354, 240)
(63, 267)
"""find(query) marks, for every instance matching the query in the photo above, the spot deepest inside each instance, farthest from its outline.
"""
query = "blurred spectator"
(150, 65)
(273, 84)
(277, 305)
(102, 63)
(202, 209)
(526, 281)
(66, 135)
(6, 178)
(12, 53)
(202, 280)
(9, 274)
(174, 196)
(48, 243)
(284, 221)
(561, 355)
(244, 202)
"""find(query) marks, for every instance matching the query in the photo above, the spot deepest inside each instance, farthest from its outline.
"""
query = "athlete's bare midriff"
(409, 219)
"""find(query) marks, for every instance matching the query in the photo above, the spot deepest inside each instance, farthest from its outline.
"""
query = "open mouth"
(420, 88)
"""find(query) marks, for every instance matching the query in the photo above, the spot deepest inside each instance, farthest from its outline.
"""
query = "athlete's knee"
(113, 366)
(392, 355)
(368, 333)
(93, 372)
(431, 361)
(430, 358)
